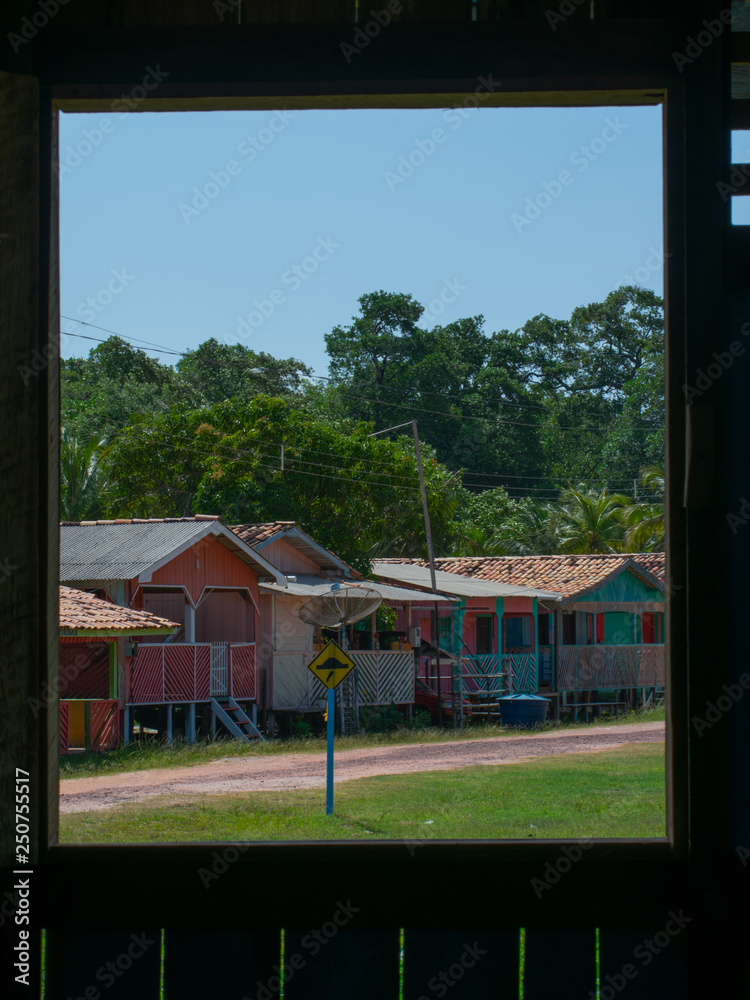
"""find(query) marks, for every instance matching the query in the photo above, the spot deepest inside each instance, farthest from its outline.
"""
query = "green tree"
(84, 489)
(215, 372)
(591, 522)
(451, 378)
(644, 520)
(348, 489)
(101, 392)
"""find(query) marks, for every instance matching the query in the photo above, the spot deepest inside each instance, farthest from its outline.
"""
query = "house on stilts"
(384, 673)
(594, 640)
(194, 572)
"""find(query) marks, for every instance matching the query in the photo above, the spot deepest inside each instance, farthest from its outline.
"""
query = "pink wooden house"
(194, 572)
(92, 632)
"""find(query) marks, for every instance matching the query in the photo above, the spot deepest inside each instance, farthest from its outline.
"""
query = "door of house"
(219, 669)
(484, 634)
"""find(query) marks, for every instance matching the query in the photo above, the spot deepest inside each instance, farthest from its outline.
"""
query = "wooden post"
(373, 629)
(113, 669)
(169, 724)
(126, 730)
(190, 723)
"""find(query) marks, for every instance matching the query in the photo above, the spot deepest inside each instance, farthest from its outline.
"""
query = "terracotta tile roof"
(254, 534)
(79, 610)
(568, 575)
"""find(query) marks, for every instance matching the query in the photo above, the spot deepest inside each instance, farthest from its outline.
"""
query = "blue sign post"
(331, 666)
(329, 733)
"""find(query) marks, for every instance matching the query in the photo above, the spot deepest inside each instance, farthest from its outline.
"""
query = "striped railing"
(99, 723)
(170, 673)
(382, 677)
(585, 668)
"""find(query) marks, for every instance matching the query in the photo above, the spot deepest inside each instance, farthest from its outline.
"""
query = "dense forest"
(544, 439)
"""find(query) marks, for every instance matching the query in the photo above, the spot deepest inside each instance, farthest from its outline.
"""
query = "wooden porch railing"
(168, 673)
(101, 723)
(583, 668)
(383, 676)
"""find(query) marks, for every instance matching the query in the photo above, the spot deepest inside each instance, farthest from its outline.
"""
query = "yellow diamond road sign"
(331, 665)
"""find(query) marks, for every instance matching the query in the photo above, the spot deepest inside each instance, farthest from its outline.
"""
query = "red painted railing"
(64, 727)
(168, 673)
(242, 671)
(102, 724)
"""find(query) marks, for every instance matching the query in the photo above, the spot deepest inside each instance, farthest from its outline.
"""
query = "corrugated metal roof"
(312, 586)
(101, 552)
(453, 583)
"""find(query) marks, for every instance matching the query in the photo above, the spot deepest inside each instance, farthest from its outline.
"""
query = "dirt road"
(299, 770)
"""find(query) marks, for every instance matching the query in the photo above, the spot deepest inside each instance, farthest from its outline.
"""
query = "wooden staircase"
(235, 719)
(349, 704)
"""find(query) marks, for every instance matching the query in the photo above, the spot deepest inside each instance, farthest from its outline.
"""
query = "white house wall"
(288, 559)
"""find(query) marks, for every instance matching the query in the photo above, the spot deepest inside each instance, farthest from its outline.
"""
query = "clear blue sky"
(157, 267)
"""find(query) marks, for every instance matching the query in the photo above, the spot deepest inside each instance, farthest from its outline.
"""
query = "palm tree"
(533, 529)
(592, 522)
(83, 486)
(644, 531)
(470, 540)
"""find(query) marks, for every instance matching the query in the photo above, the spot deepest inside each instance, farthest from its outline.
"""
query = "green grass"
(146, 754)
(617, 793)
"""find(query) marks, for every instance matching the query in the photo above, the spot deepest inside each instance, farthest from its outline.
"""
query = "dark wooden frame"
(604, 62)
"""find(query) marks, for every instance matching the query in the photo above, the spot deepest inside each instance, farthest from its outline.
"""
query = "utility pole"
(430, 552)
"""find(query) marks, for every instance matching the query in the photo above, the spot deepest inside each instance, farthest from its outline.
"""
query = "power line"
(442, 413)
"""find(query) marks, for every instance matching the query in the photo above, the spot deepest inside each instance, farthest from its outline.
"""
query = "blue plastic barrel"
(525, 710)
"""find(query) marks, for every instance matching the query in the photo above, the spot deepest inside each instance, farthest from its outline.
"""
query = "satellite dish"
(341, 606)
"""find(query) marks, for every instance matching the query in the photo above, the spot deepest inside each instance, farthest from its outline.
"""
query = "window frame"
(643, 72)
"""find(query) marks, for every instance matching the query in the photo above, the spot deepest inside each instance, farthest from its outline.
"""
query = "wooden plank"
(24, 525)
(298, 11)
(117, 964)
(271, 872)
(236, 963)
(425, 10)
(559, 964)
(338, 961)
(299, 60)
(467, 965)
(150, 13)
(649, 963)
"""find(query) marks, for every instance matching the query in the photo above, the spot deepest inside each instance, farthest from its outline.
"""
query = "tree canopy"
(534, 440)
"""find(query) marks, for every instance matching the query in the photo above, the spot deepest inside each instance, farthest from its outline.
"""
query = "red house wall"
(207, 564)
(84, 669)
